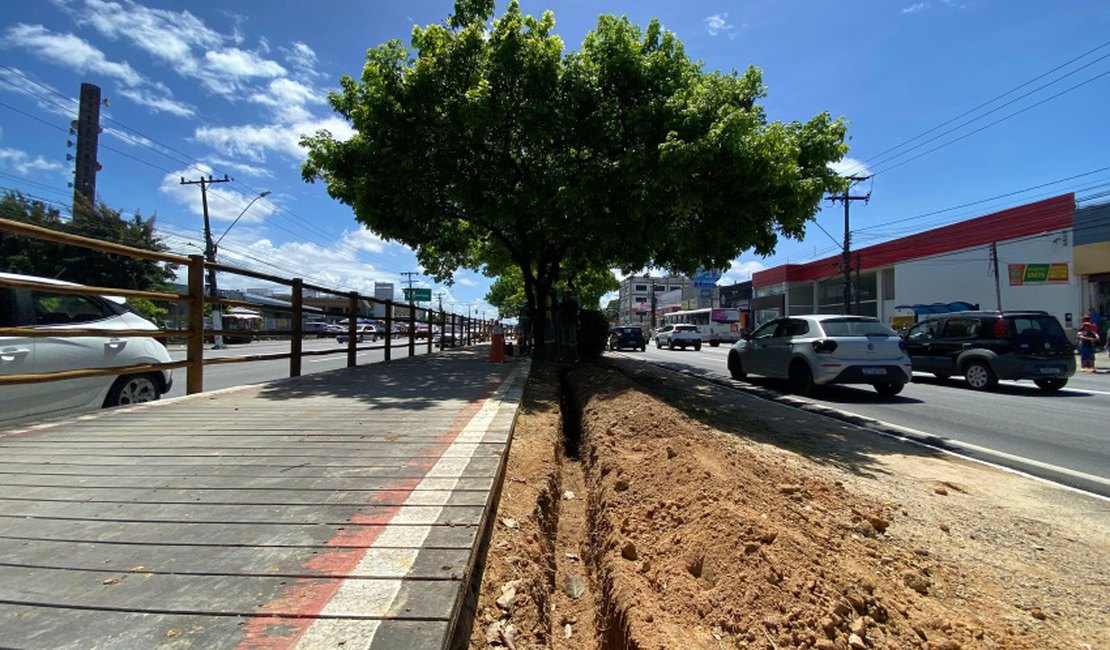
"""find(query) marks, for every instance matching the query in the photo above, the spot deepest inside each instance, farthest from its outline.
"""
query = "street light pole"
(210, 249)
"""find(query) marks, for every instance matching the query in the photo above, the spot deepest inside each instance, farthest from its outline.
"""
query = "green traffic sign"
(418, 295)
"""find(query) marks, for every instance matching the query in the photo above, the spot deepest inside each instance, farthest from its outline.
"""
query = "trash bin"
(508, 348)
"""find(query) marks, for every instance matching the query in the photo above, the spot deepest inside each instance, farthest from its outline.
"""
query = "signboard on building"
(706, 279)
(1021, 274)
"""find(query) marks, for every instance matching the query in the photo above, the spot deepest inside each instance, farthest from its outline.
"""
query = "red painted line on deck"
(308, 597)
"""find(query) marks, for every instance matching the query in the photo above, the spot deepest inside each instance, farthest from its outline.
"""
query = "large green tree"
(46, 259)
(486, 145)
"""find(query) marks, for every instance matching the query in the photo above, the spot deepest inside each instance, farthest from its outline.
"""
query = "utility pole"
(410, 275)
(997, 284)
(653, 303)
(210, 256)
(440, 295)
(846, 259)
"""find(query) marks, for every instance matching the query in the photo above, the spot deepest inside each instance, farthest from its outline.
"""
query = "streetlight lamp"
(210, 256)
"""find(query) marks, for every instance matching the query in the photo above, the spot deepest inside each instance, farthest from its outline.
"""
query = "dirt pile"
(692, 538)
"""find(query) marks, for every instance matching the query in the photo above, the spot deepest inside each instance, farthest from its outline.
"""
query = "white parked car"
(43, 309)
(824, 349)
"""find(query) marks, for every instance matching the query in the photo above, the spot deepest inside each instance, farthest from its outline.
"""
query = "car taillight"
(824, 346)
(1001, 329)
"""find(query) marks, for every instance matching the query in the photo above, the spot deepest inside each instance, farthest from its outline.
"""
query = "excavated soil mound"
(694, 538)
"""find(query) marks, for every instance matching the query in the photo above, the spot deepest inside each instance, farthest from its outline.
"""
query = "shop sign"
(1021, 274)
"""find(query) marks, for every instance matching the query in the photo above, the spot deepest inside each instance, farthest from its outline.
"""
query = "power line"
(987, 103)
(987, 126)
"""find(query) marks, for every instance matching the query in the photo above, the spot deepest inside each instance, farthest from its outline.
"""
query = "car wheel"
(1050, 385)
(979, 376)
(889, 388)
(643, 347)
(659, 344)
(697, 347)
(670, 344)
(133, 389)
(736, 367)
(801, 378)
(714, 344)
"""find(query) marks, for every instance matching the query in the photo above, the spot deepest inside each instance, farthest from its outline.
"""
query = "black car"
(985, 346)
(627, 336)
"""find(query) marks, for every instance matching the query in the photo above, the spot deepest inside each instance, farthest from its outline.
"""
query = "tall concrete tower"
(88, 134)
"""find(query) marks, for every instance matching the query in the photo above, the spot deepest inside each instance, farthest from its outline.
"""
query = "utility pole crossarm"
(846, 258)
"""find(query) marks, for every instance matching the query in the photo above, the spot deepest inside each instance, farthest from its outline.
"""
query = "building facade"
(1027, 257)
(641, 297)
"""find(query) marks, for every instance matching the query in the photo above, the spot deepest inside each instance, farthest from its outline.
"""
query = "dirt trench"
(627, 523)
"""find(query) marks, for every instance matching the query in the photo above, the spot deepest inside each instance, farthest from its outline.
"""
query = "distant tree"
(491, 147)
(612, 311)
(46, 259)
(507, 291)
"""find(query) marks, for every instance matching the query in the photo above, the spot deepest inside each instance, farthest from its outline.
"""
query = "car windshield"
(686, 328)
(855, 327)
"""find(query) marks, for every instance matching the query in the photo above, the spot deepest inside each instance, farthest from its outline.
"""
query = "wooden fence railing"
(467, 330)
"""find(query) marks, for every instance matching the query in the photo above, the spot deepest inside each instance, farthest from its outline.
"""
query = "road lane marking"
(910, 435)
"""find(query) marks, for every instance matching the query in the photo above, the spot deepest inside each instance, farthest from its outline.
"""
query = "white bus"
(715, 325)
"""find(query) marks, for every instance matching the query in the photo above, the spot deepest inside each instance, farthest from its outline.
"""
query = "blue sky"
(1020, 91)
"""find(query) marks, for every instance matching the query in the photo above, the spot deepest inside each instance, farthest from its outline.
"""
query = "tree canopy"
(486, 145)
(47, 259)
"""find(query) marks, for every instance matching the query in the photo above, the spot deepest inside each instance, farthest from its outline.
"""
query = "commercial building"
(1043, 255)
(636, 296)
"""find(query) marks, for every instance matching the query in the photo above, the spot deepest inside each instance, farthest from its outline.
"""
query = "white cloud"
(916, 7)
(70, 51)
(466, 282)
(718, 24)
(254, 142)
(24, 165)
(224, 203)
(242, 168)
(364, 240)
(241, 64)
(850, 167)
(288, 98)
(158, 103)
(303, 59)
(741, 271)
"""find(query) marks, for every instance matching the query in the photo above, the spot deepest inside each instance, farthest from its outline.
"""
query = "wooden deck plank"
(109, 557)
(239, 595)
(329, 512)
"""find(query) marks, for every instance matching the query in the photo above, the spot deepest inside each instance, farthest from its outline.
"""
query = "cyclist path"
(342, 509)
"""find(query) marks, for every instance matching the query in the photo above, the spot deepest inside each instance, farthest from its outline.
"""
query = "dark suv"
(985, 346)
(627, 336)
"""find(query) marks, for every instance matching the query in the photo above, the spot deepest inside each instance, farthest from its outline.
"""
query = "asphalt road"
(1062, 437)
(240, 374)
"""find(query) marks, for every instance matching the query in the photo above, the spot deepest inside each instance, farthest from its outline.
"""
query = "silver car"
(43, 309)
(824, 349)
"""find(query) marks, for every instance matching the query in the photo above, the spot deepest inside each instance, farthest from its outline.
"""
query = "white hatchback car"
(824, 349)
(43, 309)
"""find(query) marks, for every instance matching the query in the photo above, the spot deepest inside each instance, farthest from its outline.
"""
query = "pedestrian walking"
(1087, 339)
(497, 346)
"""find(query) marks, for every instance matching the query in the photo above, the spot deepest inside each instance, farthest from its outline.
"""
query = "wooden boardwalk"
(343, 509)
